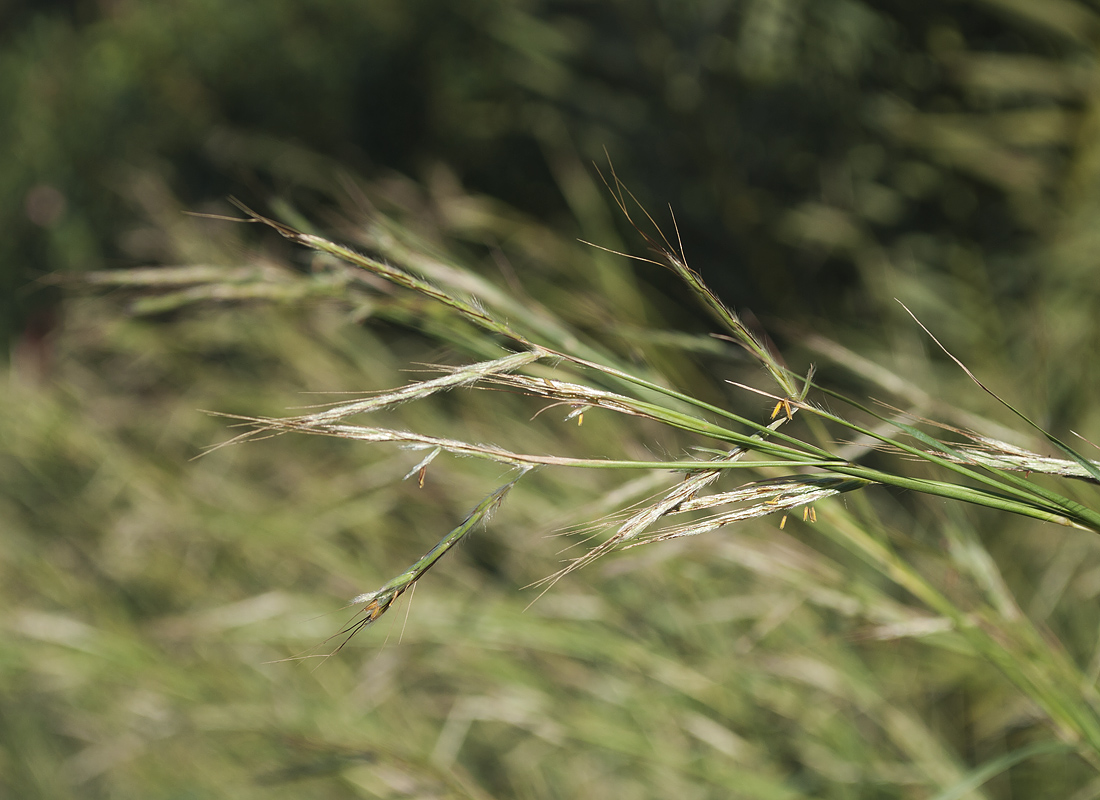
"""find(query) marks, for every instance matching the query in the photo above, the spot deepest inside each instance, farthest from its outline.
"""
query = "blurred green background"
(822, 157)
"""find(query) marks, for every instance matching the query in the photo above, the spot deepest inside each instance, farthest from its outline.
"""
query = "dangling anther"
(784, 405)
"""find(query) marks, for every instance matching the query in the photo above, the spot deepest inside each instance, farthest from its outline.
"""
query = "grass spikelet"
(378, 602)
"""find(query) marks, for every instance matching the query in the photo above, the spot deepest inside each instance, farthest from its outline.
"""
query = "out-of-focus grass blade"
(998, 765)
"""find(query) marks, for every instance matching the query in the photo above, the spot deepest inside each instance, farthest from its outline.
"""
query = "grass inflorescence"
(808, 471)
(991, 481)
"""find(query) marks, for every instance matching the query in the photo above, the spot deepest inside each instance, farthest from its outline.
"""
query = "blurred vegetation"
(822, 157)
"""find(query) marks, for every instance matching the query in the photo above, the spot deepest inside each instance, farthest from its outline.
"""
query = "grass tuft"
(800, 459)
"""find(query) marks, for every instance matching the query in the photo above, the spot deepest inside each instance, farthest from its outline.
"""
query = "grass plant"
(815, 654)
